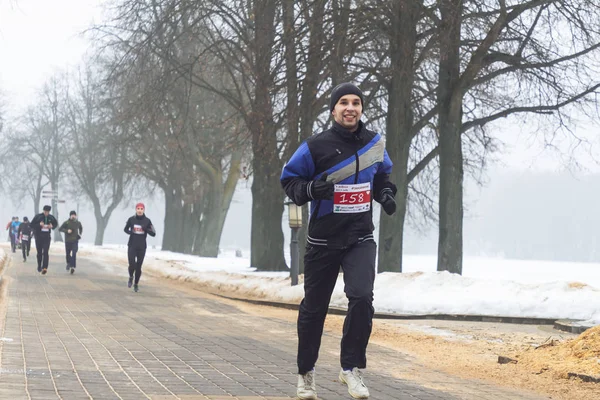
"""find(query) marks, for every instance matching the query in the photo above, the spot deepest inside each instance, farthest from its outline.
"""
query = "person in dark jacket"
(340, 171)
(72, 229)
(138, 228)
(25, 232)
(42, 225)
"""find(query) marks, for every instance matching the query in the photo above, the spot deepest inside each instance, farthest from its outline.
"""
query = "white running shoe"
(356, 386)
(307, 389)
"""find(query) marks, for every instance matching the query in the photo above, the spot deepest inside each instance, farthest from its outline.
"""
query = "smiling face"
(347, 111)
(139, 211)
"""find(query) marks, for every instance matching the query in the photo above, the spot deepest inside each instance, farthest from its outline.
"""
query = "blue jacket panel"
(14, 227)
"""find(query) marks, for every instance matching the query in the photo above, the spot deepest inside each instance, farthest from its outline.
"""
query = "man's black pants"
(42, 244)
(136, 258)
(71, 250)
(25, 247)
(321, 269)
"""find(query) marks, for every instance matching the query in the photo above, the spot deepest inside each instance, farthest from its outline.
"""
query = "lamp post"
(295, 221)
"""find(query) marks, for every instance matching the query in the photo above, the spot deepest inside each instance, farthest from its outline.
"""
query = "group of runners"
(39, 229)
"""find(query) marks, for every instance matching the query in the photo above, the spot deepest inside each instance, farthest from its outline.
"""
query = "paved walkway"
(86, 336)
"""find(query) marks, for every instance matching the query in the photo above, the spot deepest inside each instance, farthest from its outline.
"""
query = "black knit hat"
(47, 208)
(343, 89)
(72, 213)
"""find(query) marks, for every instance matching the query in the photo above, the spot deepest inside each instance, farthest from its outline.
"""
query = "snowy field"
(488, 286)
(493, 287)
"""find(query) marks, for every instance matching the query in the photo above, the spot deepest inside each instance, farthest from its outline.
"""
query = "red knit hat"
(140, 205)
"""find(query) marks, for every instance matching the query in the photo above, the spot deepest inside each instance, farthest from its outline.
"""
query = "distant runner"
(42, 225)
(138, 228)
(24, 233)
(72, 229)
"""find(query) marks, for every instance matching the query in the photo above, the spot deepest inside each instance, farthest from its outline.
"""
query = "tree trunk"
(36, 202)
(450, 245)
(37, 194)
(291, 78)
(309, 109)
(190, 227)
(398, 129)
(187, 231)
(217, 200)
(102, 220)
(266, 243)
(173, 218)
(229, 189)
(57, 235)
(341, 10)
(207, 241)
(100, 228)
(196, 227)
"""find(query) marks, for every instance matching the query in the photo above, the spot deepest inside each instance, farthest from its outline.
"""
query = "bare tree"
(450, 120)
(22, 167)
(518, 53)
(404, 49)
(192, 146)
(488, 98)
(38, 139)
(251, 91)
(96, 158)
(50, 123)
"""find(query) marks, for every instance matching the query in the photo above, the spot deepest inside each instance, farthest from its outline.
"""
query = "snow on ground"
(488, 286)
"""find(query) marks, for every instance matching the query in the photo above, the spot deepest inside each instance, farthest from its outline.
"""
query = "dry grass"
(577, 285)
(580, 356)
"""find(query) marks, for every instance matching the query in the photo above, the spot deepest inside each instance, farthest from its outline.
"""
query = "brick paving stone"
(86, 336)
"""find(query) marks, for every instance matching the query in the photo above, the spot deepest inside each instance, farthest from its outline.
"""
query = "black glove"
(321, 189)
(150, 230)
(387, 201)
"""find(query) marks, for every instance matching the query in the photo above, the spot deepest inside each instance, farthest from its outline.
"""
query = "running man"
(42, 225)
(340, 171)
(138, 228)
(72, 229)
(25, 236)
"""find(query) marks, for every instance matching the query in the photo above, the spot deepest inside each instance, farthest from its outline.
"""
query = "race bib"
(46, 228)
(25, 237)
(354, 198)
(137, 229)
